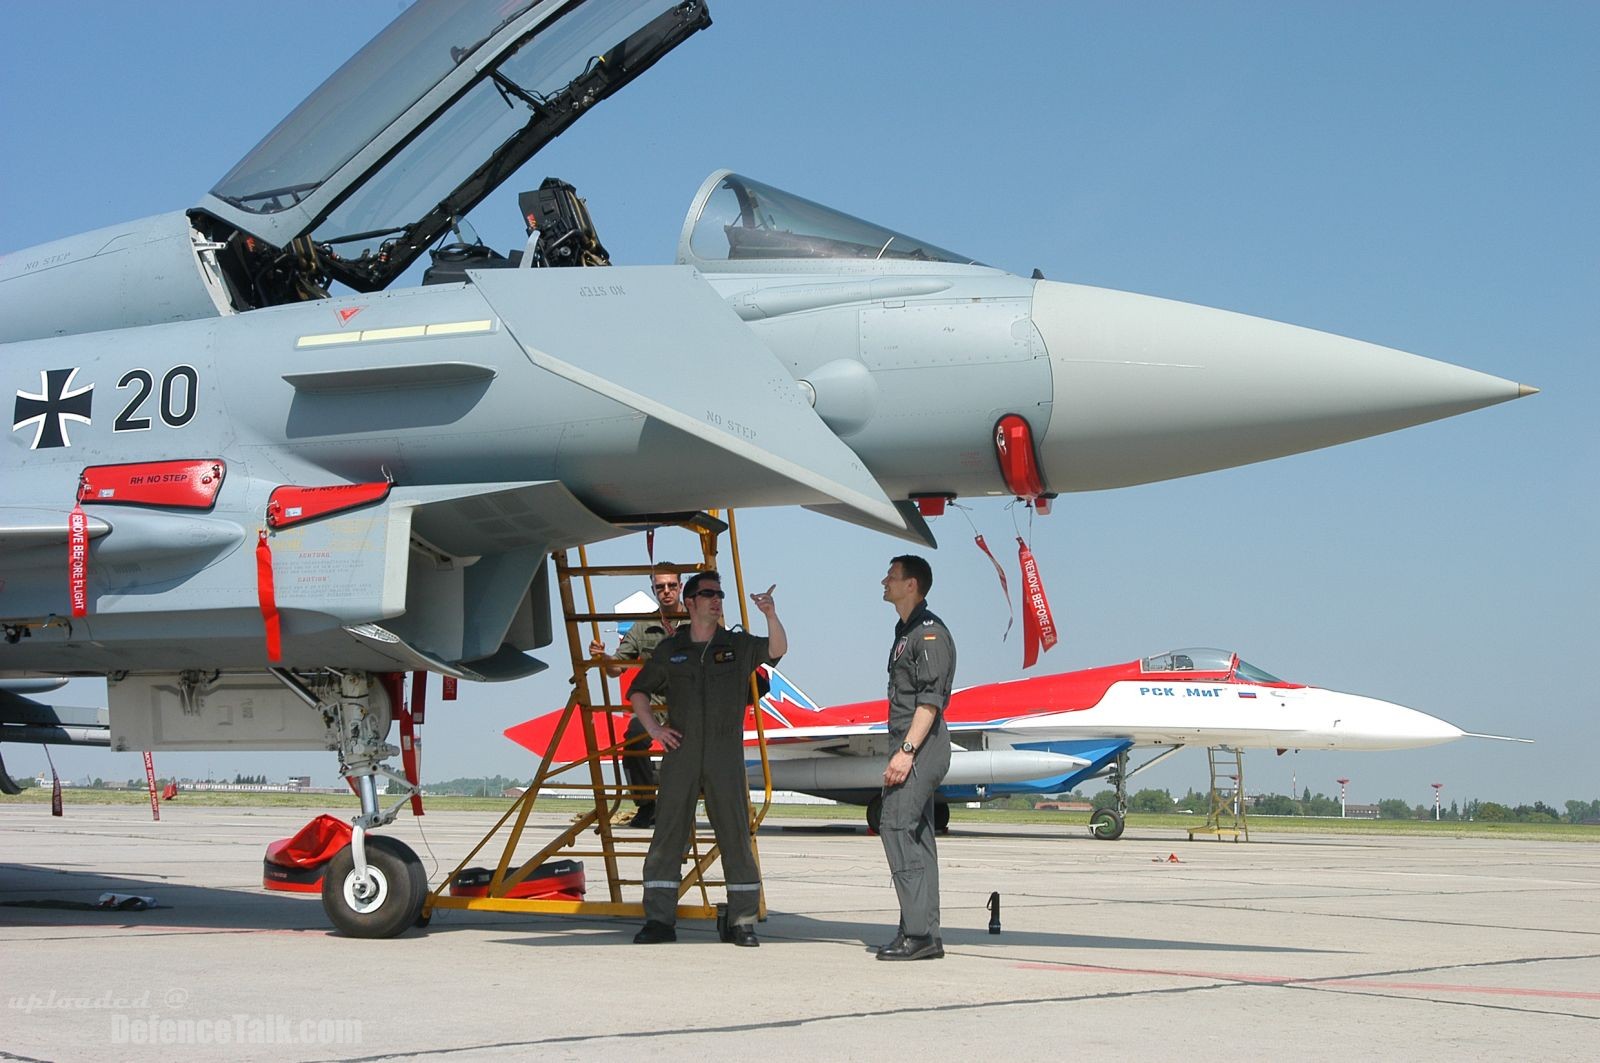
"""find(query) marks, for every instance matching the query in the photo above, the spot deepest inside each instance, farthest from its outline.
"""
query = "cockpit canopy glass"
(745, 219)
(362, 99)
(444, 105)
(1207, 660)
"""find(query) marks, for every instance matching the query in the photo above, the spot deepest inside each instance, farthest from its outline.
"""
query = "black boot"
(913, 948)
(654, 933)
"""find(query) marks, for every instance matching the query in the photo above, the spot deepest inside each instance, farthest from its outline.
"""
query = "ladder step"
(612, 618)
(630, 570)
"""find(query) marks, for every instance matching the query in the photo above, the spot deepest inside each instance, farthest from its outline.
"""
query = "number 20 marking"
(172, 415)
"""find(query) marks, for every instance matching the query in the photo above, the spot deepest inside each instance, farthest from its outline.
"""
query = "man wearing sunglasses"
(705, 671)
(641, 638)
(922, 669)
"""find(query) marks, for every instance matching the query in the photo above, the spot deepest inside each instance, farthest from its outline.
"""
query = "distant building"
(1064, 806)
(1354, 811)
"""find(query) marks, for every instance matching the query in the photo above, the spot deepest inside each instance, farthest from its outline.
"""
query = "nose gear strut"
(376, 886)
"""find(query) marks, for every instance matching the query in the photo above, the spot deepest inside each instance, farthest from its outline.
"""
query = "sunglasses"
(665, 587)
(708, 594)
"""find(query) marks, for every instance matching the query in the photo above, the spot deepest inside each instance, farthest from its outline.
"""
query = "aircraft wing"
(607, 331)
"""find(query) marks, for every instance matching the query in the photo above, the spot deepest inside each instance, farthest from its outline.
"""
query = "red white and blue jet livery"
(1048, 734)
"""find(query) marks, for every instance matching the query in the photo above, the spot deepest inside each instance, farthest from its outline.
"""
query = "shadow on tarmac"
(782, 928)
(27, 890)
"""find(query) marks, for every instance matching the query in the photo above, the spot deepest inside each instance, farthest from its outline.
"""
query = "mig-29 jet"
(251, 481)
(1049, 734)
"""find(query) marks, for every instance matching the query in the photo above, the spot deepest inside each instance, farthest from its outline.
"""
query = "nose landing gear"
(375, 886)
(384, 901)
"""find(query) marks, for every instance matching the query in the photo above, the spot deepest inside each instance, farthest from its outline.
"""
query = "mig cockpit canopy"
(1209, 661)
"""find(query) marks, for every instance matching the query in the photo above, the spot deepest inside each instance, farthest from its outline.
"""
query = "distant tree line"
(1309, 804)
(475, 786)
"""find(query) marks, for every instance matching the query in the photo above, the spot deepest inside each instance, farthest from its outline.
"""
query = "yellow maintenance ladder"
(1225, 808)
(595, 833)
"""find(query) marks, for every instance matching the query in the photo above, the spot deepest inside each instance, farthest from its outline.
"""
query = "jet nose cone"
(1148, 389)
(1368, 723)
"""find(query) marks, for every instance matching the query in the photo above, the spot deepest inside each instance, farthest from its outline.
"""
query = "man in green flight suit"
(705, 671)
(922, 669)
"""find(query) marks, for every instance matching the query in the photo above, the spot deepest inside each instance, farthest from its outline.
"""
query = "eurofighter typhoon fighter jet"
(249, 480)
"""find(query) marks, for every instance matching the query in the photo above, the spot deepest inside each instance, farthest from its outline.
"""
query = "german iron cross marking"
(50, 410)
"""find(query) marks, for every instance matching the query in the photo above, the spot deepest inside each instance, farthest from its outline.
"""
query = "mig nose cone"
(1149, 389)
(1368, 723)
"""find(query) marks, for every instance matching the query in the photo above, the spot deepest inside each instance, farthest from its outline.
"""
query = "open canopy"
(429, 118)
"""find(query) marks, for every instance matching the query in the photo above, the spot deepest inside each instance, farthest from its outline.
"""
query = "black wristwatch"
(907, 747)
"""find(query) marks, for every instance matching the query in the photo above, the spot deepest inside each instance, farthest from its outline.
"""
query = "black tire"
(401, 887)
(941, 817)
(874, 814)
(1106, 824)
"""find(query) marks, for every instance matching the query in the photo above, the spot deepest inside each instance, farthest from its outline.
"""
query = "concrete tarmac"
(1285, 947)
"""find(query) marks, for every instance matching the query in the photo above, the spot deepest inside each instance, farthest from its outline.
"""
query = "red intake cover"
(294, 505)
(188, 484)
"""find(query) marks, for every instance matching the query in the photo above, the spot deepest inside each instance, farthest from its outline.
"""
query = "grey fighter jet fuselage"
(228, 420)
(793, 355)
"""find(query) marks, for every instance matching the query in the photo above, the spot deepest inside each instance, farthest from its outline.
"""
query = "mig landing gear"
(375, 886)
(1107, 824)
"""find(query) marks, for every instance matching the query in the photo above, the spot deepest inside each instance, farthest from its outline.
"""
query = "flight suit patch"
(723, 656)
(677, 658)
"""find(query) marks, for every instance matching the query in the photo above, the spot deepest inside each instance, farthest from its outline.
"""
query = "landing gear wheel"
(874, 814)
(1106, 824)
(941, 817)
(387, 902)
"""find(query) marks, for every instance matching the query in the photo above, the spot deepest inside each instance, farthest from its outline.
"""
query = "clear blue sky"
(1420, 175)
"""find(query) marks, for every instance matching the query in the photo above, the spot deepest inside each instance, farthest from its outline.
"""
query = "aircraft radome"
(245, 472)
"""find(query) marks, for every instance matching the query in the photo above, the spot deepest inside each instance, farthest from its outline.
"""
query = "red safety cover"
(561, 880)
(294, 865)
(188, 484)
(293, 505)
(318, 842)
(1019, 464)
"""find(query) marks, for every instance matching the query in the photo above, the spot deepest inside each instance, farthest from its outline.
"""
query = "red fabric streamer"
(150, 781)
(1004, 586)
(408, 716)
(78, 561)
(1038, 627)
(268, 598)
(419, 696)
